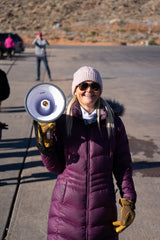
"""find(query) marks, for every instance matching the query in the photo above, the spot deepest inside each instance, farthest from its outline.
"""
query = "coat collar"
(76, 111)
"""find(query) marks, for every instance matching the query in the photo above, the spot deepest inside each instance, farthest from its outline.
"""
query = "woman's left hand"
(127, 215)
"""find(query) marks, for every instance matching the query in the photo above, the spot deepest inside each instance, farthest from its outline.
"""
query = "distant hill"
(92, 21)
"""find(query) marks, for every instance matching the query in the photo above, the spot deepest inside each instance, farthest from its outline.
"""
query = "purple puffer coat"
(83, 204)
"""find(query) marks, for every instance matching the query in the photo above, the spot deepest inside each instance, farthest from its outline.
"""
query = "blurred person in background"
(4, 94)
(4, 86)
(41, 55)
(9, 44)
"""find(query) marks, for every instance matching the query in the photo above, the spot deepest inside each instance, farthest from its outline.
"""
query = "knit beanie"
(86, 73)
(39, 33)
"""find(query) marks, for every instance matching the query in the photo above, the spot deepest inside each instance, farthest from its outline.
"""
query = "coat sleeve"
(34, 41)
(46, 42)
(123, 163)
(13, 45)
(54, 161)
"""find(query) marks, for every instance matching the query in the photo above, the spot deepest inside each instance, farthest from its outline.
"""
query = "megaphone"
(45, 102)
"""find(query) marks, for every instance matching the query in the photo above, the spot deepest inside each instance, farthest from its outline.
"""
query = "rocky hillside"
(89, 21)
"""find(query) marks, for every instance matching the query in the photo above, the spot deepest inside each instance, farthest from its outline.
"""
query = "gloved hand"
(127, 215)
(44, 133)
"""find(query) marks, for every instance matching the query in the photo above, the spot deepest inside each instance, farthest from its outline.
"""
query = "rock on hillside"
(129, 21)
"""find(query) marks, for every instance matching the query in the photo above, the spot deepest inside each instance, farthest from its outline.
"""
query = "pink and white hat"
(39, 33)
(86, 73)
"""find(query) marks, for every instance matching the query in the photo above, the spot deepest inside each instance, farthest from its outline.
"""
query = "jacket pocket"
(60, 190)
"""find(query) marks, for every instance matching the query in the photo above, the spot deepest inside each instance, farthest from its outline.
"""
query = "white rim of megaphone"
(63, 96)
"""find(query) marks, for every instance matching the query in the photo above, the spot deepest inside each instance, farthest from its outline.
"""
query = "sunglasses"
(94, 86)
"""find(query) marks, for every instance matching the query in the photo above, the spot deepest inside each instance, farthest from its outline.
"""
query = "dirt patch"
(147, 147)
(147, 167)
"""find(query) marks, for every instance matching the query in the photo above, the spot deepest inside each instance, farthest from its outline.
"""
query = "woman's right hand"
(44, 133)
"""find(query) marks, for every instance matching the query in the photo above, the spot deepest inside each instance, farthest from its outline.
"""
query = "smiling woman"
(88, 97)
(89, 88)
(88, 145)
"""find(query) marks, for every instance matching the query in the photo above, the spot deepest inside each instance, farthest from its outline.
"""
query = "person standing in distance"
(41, 55)
(9, 44)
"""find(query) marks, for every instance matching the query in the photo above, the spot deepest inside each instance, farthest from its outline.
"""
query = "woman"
(89, 143)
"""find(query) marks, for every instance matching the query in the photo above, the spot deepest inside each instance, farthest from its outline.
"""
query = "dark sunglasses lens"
(95, 86)
(83, 86)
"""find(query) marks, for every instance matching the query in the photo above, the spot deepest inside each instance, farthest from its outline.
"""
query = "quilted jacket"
(9, 43)
(83, 204)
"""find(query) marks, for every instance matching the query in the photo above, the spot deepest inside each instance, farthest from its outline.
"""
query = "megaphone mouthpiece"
(45, 104)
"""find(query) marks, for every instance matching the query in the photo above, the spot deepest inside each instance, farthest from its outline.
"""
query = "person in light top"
(41, 55)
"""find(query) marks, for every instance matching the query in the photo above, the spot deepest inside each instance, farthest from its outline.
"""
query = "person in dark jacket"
(4, 94)
(4, 86)
(88, 145)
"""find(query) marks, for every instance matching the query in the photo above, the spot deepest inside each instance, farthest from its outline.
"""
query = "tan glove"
(44, 133)
(127, 215)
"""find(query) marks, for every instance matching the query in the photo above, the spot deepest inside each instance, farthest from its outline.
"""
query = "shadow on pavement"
(17, 143)
(13, 109)
(34, 177)
(147, 169)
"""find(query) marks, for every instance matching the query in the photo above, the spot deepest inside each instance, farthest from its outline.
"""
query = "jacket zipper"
(87, 183)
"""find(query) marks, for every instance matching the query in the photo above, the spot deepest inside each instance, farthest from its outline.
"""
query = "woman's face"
(88, 96)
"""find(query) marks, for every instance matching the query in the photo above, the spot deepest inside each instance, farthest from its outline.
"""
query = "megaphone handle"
(48, 134)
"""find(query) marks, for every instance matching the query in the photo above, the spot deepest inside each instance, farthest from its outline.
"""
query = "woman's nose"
(89, 89)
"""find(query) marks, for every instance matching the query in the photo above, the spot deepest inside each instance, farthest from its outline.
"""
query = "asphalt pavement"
(131, 75)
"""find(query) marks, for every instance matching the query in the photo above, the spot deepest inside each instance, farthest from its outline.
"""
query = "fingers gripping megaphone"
(45, 102)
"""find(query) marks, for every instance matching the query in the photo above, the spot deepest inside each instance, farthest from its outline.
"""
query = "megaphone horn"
(45, 102)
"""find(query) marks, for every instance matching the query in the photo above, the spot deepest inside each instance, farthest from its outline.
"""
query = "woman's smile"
(88, 97)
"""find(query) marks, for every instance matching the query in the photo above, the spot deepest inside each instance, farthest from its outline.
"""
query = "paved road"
(131, 76)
